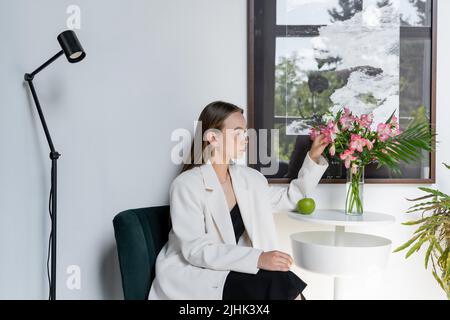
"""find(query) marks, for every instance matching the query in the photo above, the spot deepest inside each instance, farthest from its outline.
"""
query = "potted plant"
(434, 231)
(357, 141)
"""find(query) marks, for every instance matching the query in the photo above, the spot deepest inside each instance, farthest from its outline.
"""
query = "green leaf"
(423, 208)
(425, 226)
(416, 137)
(428, 253)
(423, 204)
(407, 244)
(448, 264)
(434, 192)
(421, 198)
(436, 244)
(388, 161)
(446, 165)
(411, 223)
(389, 119)
(415, 247)
(399, 154)
(438, 280)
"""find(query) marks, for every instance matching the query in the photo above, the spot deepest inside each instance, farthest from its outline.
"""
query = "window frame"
(266, 78)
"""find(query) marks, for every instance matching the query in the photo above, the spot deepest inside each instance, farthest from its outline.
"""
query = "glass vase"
(354, 204)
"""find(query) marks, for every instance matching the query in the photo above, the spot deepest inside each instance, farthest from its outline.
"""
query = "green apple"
(306, 206)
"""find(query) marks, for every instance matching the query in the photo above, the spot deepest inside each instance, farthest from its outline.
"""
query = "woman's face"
(233, 140)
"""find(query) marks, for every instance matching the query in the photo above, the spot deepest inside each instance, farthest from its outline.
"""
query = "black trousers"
(264, 285)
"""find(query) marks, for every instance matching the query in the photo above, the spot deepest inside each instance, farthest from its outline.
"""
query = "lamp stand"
(54, 155)
(74, 52)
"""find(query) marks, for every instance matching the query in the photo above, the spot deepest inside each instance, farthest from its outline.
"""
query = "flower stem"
(353, 200)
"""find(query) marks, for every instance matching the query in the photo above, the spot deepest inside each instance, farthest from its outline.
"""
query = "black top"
(238, 224)
(264, 285)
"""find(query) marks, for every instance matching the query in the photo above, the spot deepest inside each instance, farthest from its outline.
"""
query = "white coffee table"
(338, 253)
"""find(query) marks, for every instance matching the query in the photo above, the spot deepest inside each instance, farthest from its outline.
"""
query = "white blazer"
(202, 249)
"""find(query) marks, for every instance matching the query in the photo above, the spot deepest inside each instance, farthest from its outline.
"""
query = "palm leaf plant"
(433, 231)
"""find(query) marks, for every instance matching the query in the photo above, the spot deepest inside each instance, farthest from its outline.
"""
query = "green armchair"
(140, 235)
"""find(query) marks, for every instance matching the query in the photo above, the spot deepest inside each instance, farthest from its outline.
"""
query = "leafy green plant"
(433, 230)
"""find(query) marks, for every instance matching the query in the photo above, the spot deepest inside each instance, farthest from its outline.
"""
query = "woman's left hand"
(317, 148)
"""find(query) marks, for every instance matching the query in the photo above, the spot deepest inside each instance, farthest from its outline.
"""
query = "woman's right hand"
(274, 261)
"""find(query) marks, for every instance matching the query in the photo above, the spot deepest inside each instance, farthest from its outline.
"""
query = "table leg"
(338, 230)
(337, 283)
(337, 288)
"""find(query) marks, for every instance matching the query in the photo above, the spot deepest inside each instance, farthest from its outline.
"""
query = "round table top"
(337, 217)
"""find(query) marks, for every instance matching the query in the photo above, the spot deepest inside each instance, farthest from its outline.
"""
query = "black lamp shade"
(71, 46)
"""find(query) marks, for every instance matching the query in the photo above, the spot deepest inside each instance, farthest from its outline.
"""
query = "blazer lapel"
(217, 202)
(243, 198)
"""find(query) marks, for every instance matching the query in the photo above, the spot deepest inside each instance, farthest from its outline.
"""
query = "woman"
(223, 243)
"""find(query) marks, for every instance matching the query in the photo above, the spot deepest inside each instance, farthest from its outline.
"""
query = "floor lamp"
(72, 49)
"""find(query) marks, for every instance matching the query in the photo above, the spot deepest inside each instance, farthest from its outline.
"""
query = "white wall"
(150, 68)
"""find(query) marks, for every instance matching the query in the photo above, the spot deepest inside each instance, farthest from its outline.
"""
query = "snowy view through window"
(354, 61)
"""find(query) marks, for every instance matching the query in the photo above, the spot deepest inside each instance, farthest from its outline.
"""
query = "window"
(310, 56)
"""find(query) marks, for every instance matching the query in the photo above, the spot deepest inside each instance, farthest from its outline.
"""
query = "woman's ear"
(212, 136)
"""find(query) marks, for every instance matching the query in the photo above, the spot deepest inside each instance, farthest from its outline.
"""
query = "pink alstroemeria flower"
(358, 143)
(313, 133)
(347, 156)
(333, 126)
(347, 123)
(395, 127)
(365, 120)
(394, 120)
(332, 150)
(347, 111)
(347, 119)
(369, 144)
(384, 131)
(330, 132)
